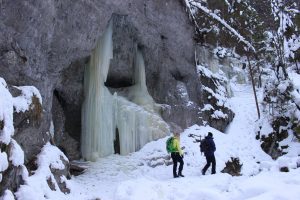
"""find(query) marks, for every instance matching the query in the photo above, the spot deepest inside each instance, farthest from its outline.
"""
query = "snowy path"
(241, 130)
(131, 178)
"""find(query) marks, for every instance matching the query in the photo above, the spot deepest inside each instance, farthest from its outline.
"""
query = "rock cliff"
(47, 43)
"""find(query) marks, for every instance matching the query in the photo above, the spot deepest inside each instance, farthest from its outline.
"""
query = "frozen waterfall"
(98, 105)
(111, 120)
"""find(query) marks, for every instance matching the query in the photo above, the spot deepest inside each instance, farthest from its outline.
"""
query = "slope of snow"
(147, 174)
(132, 177)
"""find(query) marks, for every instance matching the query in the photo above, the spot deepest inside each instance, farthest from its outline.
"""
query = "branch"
(187, 4)
(208, 12)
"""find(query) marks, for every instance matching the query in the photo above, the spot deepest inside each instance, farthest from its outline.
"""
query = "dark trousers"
(210, 160)
(177, 158)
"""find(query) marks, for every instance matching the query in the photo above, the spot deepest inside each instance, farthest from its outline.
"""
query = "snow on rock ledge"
(6, 113)
(49, 180)
(52, 164)
(23, 102)
(12, 170)
(216, 111)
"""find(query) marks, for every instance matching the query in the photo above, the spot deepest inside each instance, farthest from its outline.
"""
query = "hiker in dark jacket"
(209, 154)
(177, 156)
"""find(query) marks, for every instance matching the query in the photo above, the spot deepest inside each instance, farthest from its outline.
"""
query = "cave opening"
(66, 116)
(117, 142)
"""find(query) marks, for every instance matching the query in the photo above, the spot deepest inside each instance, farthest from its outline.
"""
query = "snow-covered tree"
(266, 35)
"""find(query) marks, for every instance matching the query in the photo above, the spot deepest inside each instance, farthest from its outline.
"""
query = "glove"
(182, 156)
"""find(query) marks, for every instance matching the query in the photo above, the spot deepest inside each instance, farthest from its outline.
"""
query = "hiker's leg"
(180, 160)
(207, 165)
(174, 158)
(213, 169)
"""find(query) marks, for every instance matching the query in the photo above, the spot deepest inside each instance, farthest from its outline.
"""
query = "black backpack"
(204, 145)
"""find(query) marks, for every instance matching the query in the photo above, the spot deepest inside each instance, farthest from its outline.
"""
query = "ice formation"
(113, 123)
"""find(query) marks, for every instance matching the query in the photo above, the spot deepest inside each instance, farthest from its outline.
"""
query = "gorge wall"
(46, 44)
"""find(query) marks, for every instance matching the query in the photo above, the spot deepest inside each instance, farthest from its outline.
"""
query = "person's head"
(177, 134)
(210, 134)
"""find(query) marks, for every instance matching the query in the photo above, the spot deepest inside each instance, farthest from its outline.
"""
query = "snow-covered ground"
(133, 177)
(147, 174)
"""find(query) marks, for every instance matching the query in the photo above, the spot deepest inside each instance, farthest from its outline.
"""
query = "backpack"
(204, 145)
(169, 144)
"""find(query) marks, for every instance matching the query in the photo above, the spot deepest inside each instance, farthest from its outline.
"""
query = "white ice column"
(137, 120)
(134, 116)
(97, 111)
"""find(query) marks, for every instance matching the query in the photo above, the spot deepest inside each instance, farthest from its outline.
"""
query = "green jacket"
(176, 146)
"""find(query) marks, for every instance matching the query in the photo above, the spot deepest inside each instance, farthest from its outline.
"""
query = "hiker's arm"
(214, 146)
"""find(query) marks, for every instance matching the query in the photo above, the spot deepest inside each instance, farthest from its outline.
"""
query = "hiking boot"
(181, 175)
(213, 173)
(203, 173)
(176, 176)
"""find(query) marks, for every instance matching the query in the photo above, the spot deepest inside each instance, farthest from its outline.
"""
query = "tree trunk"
(253, 86)
(259, 84)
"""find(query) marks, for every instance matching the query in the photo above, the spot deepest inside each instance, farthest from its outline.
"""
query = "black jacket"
(211, 146)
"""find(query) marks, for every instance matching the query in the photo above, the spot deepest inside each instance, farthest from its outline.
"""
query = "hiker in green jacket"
(177, 156)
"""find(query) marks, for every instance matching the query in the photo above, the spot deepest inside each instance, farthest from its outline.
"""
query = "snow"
(147, 175)
(22, 102)
(3, 161)
(220, 92)
(266, 128)
(8, 195)
(133, 177)
(296, 79)
(50, 156)
(219, 114)
(182, 92)
(16, 154)
(36, 186)
(283, 86)
(284, 13)
(207, 107)
(221, 52)
(190, 103)
(206, 72)
(296, 93)
(6, 113)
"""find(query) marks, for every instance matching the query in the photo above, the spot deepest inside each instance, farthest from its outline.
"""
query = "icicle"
(138, 121)
(139, 93)
(97, 127)
(104, 114)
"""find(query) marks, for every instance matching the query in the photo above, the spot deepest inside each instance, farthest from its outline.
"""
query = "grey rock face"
(12, 179)
(58, 173)
(47, 43)
(28, 127)
(121, 70)
(271, 143)
(233, 167)
(61, 138)
(218, 122)
(216, 90)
